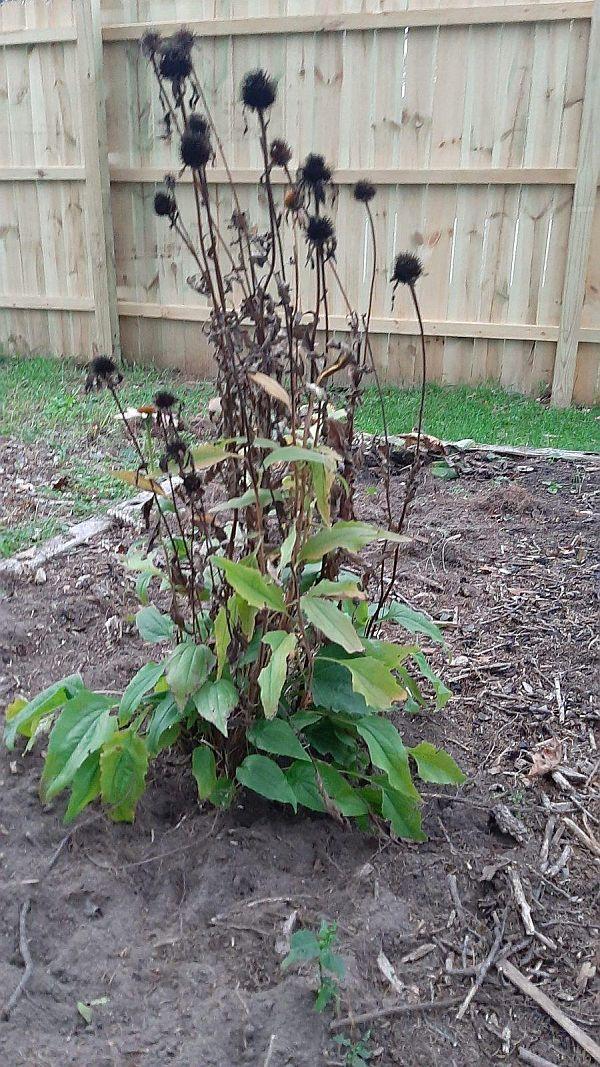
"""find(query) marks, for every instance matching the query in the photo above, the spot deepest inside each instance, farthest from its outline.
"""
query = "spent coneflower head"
(407, 269)
(258, 90)
(364, 191)
(102, 371)
(103, 367)
(280, 152)
(151, 44)
(192, 483)
(195, 148)
(314, 171)
(199, 123)
(319, 230)
(176, 56)
(164, 205)
(165, 401)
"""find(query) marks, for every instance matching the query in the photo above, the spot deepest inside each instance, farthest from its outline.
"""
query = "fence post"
(99, 225)
(580, 230)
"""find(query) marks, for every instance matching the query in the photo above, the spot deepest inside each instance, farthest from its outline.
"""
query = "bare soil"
(177, 920)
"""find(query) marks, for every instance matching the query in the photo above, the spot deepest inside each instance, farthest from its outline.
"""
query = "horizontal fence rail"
(478, 125)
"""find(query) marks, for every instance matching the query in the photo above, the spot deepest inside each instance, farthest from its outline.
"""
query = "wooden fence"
(478, 123)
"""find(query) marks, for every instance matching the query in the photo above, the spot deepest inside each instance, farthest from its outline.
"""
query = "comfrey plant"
(278, 678)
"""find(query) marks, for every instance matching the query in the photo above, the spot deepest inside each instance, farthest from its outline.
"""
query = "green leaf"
(330, 961)
(296, 454)
(209, 455)
(277, 737)
(303, 781)
(389, 653)
(332, 622)
(413, 621)
(272, 677)
(301, 719)
(250, 584)
(123, 767)
(246, 500)
(266, 778)
(332, 688)
(340, 791)
(372, 680)
(403, 814)
(222, 639)
(323, 479)
(85, 787)
(349, 535)
(436, 765)
(137, 561)
(153, 626)
(162, 725)
(85, 1011)
(340, 590)
(25, 720)
(141, 684)
(204, 771)
(215, 702)
(303, 948)
(188, 668)
(327, 992)
(287, 548)
(83, 726)
(223, 793)
(329, 738)
(445, 470)
(442, 693)
(387, 752)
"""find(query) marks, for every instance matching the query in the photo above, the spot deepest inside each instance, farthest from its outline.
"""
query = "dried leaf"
(271, 387)
(546, 758)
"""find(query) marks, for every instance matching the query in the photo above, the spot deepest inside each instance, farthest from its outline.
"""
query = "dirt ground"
(178, 920)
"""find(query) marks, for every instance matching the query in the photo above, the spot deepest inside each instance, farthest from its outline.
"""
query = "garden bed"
(178, 920)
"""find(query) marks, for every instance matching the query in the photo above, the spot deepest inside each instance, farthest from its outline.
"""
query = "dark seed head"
(258, 90)
(151, 44)
(314, 171)
(319, 230)
(407, 269)
(175, 63)
(364, 192)
(199, 124)
(102, 367)
(164, 400)
(195, 149)
(280, 152)
(192, 483)
(164, 204)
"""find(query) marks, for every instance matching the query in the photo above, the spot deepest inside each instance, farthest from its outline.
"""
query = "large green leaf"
(304, 947)
(162, 725)
(85, 786)
(333, 623)
(346, 589)
(215, 702)
(436, 765)
(413, 621)
(209, 455)
(153, 626)
(332, 688)
(372, 680)
(222, 634)
(277, 737)
(387, 752)
(247, 499)
(338, 789)
(187, 669)
(266, 778)
(303, 780)
(141, 684)
(272, 677)
(442, 693)
(402, 813)
(323, 479)
(123, 767)
(295, 454)
(346, 534)
(256, 590)
(82, 727)
(204, 771)
(30, 715)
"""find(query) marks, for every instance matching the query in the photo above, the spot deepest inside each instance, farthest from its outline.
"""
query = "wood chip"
(418, 953)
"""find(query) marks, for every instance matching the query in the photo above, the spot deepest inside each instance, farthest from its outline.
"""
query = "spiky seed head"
(199, 123)
(102, 367)
(164, 204)
(364, 191)
(407, 269)
(164, 400)
(258, 90)
(319, 230)
(192, 483)
(314, 171)
(280, 152)
(151, 44)
(195, 149)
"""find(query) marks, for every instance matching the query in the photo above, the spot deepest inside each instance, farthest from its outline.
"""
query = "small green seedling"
(85, 1008)
(307, 946)
(356, 1053)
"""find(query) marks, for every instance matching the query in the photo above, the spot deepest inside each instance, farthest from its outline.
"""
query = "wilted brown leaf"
(546, 758)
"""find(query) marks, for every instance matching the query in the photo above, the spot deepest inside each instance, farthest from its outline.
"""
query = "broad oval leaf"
(349, 535)
(187, 669)
(333, 623)
(403, 814)
(83, 726)
(123, 767)
(387, 752)
(215, 702)
(206, 456)
(277, 737)
(222, 632)
(152, 626)
(304, 946)
(339, 790)
(372, 680)
(25, 720)
(326, 457)
(442, 693)
(436, 765)
(340, 590)
(251, 585)
(141, 684)
(161, 730)
(303, 780)
(140, 481)
(271, 679)
(272, 387)
(204, 771)
(85, 787)
(247, 499)
(263, 776)
(413, 621)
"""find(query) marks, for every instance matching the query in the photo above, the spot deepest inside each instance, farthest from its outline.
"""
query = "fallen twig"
(453, 887)
(270, 1051)
(519, 980)
(482, 970)
(27, 960)
(398, 1009)
(581, 836)
(525, 909)
(533, 1059)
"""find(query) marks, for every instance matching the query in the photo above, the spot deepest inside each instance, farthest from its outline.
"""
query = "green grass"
(485, 414)
(28, 533)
